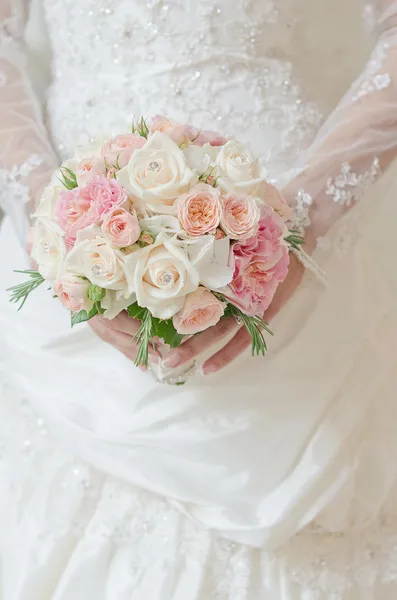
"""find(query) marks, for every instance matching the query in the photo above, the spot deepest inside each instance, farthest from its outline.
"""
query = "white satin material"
(275, 440)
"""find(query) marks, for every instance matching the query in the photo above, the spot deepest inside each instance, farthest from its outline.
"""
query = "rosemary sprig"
(255, 327)
(142, 339)
(295, 239)
(21, 291)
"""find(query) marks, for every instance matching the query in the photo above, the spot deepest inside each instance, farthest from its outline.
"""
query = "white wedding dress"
(275, 479)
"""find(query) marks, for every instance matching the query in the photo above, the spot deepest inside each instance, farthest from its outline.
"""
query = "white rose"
(239, 171)
(211, 258)
(93, 257)
(93, 148)
(46, 207)
(115, 302)
(49, 248)
(161, 224)
(161, 275)
(157, 174)
(201, 158)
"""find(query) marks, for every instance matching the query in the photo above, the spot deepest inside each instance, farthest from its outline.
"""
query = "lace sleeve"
(357, 142)
(26, 155)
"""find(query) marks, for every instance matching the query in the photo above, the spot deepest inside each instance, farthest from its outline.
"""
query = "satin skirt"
(276, 478)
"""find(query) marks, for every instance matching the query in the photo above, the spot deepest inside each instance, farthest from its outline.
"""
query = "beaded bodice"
(251, 68)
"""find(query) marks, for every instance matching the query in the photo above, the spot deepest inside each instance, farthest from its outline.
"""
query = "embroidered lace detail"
(373, 80)
(300, 219)
(12, 184)
(225, 75)
(349, 186)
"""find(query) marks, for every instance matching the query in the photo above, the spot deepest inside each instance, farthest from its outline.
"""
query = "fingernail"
(210, 369)
(172, 361)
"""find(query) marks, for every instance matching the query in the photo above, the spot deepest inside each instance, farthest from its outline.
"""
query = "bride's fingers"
(200, 342)
(238, 344)
(123, 323)
(120, 340)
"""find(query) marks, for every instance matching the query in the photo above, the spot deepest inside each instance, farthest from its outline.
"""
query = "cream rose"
(200, 311)
(271, 196)
(240, 216)
(236, 162)
(238, 170)
(94, 258)
(157, 174)
(211, 258)
(121, 228)
(72, 291)
(48, 248)
(88, 168)
(115, 302)
(201, 159)
(49, 198)
(161, 275)
(199, 211)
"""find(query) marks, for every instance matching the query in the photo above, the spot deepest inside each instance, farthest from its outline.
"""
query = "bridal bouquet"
(172, 224)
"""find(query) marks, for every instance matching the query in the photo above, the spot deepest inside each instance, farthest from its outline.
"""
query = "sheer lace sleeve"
(26, 155)
(357, 142)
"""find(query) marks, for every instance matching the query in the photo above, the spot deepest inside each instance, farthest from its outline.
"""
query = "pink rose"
(199, 137)
(89, 168)
(199, 211)
(72, 291)
(240, 216)
(121, 227)
(260, 264)
(273, 197)
(119, 150)
(81, 207)
(200, 311)
(177, 132)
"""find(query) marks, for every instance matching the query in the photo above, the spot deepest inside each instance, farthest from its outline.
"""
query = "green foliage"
(150, 328)
(140, 127)
(83, 315)
(142, 339)
(294, 239)
(255, 327)
(96, 293)
(167, 332)
(68, 178)
(21, 291)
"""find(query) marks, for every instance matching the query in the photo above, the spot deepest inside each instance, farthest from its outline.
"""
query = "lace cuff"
(357, 142)
(26, 154)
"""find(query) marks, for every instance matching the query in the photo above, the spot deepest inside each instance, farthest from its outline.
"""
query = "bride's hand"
(241, 340)
(119, 333)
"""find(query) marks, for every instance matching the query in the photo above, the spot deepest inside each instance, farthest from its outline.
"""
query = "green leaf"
(68, 178)
(96, 293)
(79, 317)
(83, 315)
(167, 332)
(136, 312)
